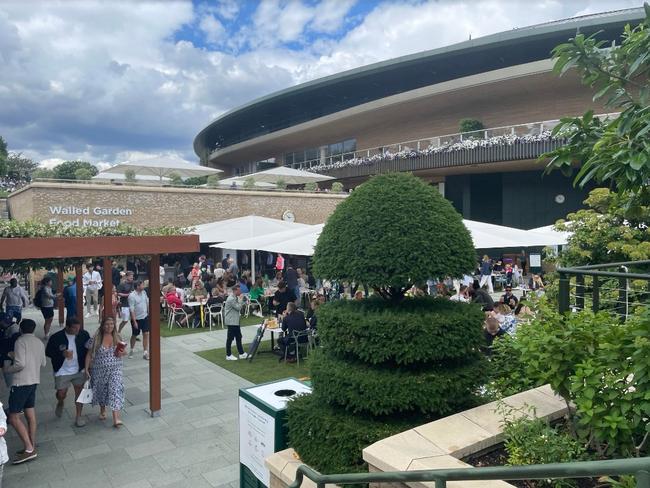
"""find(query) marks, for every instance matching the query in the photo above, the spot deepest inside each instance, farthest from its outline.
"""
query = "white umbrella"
(122, 177)
(289, 175)
(162, 167)
(489, 236)
(562, 237)
(239, 181)
(241, 228)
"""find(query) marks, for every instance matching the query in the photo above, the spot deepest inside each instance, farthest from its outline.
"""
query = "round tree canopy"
(391, 232)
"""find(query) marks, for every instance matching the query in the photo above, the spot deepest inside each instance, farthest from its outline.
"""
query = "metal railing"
(620, 291)
(638, 467)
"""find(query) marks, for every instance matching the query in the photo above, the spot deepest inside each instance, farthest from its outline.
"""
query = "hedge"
(415, 331)
(330, 439)
(383, 390)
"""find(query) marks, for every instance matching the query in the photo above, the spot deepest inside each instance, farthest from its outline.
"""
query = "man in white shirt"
(139, 307)
(67, 350)
(92, 281)
(462, 295)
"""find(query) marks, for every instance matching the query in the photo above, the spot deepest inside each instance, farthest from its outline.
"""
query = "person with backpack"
(44, 299)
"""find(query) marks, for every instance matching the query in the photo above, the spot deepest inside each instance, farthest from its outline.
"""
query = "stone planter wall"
(436, 445)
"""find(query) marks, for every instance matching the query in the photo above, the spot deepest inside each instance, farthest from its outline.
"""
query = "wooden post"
(59, 298)
(107, 284)
(155, 384)
(80, 293)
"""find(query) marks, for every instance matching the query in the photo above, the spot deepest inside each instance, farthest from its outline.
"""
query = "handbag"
(86, 395)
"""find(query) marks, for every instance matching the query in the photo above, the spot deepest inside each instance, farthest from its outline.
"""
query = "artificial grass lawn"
(176, 331)
(264, 367)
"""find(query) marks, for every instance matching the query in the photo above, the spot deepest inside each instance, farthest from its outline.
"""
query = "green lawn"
(264, 367)
(176, 331)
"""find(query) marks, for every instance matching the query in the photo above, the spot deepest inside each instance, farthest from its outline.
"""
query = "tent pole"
(253, 265)
(59, 297)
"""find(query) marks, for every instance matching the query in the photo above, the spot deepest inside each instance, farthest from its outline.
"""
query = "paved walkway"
(192, 444)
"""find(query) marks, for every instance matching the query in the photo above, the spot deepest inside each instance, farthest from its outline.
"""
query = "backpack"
(38, 298)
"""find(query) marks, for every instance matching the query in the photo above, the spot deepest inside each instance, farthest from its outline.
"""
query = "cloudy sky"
(107, 81)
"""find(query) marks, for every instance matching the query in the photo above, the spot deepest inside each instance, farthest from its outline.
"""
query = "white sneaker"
(145, 356)
(231, 358)
(87, 315)
(258, 314)
(131, 354)
(243, 356)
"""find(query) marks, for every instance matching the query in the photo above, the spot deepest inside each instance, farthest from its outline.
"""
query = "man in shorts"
(67, 350)
(124, 289)
(28, 359)
(139, 308)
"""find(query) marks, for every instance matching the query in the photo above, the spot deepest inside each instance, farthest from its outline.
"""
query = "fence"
(619, 291)
(639, 467)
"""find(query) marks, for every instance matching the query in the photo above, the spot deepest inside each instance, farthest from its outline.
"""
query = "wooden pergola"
(82, 248)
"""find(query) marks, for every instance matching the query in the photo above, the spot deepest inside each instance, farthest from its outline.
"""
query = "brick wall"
(142, 206)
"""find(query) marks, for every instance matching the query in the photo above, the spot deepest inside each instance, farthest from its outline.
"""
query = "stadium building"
(404, 115)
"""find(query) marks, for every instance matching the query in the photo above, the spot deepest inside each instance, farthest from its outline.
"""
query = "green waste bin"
(262, 427)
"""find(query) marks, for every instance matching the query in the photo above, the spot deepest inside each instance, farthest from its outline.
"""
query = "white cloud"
(97, 80)
(213, 30)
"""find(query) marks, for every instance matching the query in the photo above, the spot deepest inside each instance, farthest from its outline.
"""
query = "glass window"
(311, 154)
(298, 157)
(336, 148)
(350, 145)
(288, 159)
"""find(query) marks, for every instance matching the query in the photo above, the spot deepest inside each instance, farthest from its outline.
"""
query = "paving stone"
(222, 476)
(91, 451)
(150, 448)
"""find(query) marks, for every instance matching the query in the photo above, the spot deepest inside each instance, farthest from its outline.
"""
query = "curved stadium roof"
(324, 96)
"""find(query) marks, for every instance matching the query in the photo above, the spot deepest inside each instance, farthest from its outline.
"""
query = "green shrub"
(534, 441)
(470, 125)
(337, 187)
(414, 331)
(310, 186)
(387, 389)
(213, 181)
(281, 184)
(175, 179)
(83, 174)
(391, 232)
(129, 176)
(507, 369)
(331, 440)
(249, 183)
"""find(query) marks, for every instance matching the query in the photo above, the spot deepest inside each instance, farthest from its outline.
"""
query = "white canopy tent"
(163, 167)
(561, 236)
(241, 228)
(289, 175)
(298, 241)
(490, 236)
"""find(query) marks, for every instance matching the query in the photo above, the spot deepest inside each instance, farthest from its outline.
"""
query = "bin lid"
(277, 393)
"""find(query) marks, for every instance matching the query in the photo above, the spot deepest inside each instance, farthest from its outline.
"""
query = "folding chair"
(296, 336)
(177, 315)
(215, 312)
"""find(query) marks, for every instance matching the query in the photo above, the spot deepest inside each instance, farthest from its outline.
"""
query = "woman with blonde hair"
(104, 365)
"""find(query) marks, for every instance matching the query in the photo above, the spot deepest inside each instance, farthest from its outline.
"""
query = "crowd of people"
(11, 183)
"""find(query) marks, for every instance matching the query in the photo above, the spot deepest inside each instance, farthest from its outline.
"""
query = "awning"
(241, 228)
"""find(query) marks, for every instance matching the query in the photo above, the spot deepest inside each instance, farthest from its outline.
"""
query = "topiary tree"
(175, 179)
(392, 232)
(387, 362)
(129, 176)
(281, 184)
(311, 186)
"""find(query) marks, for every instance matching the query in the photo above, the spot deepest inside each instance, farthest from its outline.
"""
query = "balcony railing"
(508, 143)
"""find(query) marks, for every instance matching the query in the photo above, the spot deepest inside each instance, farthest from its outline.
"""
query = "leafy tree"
(67, 170)
(196, 181)
(392, 232)
(83, 174)
(43, 173)
(175, 179)
(129, 176)
(337, 187)
(605, 232)
(213, 181)
(3, 157)
(616, 150)
(310, 186)
(470, 125)
(249, 183)
(20, 167)
(281, 184)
